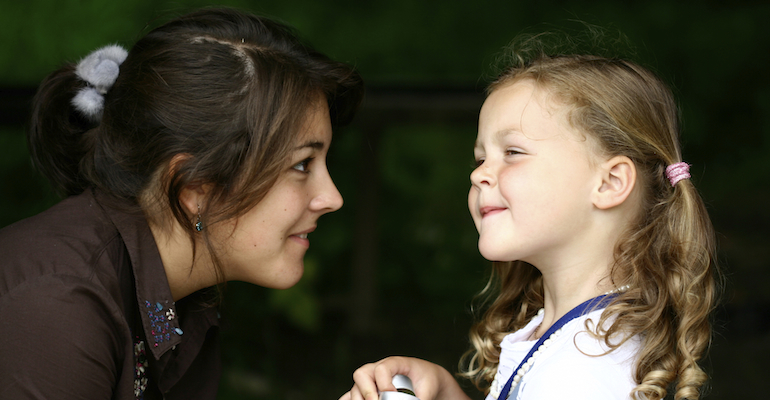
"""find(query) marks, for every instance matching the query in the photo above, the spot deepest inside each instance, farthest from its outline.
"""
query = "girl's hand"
(430, 381)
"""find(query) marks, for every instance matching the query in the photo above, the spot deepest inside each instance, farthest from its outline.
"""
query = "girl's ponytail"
(56, 135)
(683, 242)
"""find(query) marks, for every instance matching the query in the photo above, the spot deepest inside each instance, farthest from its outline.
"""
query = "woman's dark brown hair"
(227, 91)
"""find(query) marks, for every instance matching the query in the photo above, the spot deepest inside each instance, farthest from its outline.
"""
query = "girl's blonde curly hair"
(667, 255)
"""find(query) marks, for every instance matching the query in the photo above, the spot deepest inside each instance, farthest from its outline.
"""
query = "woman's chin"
(285, 279)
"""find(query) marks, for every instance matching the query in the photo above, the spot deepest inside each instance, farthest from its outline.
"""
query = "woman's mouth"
(301, 238)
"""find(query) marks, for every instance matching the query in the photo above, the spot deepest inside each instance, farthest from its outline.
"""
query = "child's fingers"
(373, 378)
(365, 387)
(353, 394)
(358, 394)
(384, 372)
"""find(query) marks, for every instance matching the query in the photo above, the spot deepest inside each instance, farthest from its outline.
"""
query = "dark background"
(395, 270)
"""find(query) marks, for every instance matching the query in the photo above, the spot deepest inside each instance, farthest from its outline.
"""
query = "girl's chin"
(492, 255)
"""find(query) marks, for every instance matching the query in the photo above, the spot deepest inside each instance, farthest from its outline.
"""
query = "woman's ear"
(192, 196)
(618, 178)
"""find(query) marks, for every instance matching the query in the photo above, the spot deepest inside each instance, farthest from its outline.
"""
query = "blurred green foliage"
(300, 342)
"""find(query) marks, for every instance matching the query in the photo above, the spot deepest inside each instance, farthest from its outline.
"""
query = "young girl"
(604, 252)
(197, 157)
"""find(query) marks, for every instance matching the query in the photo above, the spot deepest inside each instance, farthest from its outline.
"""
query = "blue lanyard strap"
(596, 303)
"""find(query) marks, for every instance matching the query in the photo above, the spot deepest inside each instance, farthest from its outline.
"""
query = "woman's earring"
(199, 224)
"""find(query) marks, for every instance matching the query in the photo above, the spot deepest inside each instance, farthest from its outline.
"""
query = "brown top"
(86, 311)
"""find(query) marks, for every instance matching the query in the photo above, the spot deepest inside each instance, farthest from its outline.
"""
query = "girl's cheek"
(506, 178)
(473, 194)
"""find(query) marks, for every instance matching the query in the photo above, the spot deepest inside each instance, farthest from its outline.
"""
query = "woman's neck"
(185, 275)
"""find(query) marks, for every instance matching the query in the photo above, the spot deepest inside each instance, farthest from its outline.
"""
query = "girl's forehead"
(523, 108)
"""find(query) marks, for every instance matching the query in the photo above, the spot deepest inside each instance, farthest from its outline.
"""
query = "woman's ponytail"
(69, 103)
(56, 135)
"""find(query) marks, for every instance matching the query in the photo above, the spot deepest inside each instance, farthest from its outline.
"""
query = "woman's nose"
(328, 198)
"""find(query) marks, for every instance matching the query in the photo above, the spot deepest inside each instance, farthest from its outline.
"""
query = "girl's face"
(530, 193)
(267, 244)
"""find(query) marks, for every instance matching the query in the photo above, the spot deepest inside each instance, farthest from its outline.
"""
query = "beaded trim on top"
(499, 381)
(161, 329)
(140, 369)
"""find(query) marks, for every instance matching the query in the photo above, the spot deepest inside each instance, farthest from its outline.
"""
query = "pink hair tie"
(677, 172)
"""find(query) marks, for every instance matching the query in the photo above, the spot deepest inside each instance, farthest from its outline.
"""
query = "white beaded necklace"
(618, 290)
(497, 385)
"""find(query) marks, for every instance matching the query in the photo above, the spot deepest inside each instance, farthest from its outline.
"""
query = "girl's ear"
(618, 180)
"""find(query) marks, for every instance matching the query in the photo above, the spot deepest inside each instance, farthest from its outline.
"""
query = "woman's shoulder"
(67, 239)
(67, 218)
(62, 334)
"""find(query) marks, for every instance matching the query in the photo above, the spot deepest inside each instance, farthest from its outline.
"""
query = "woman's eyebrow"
(316, 145)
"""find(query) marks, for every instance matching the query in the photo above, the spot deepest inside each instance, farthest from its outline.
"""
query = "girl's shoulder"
(580, 364)
(583, 343)
(577, 363)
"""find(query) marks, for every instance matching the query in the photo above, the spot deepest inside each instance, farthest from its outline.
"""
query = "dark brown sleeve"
(62, 338)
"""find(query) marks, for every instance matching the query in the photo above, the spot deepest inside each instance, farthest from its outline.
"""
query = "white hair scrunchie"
(100, 70)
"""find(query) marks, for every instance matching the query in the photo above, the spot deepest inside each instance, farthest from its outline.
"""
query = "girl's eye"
(511, 152)
(302, 165)
(478, 162)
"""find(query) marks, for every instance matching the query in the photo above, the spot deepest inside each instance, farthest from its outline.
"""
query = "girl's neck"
(579, 271)
(566, 287)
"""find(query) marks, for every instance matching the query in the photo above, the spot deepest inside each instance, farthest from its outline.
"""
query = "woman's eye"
(302, 165)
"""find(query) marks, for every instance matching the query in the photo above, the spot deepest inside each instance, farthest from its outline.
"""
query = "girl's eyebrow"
(499, 135)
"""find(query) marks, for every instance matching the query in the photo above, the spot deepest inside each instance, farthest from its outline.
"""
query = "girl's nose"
(482, 176)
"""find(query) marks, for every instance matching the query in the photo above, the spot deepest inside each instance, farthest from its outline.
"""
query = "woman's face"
(267, 244)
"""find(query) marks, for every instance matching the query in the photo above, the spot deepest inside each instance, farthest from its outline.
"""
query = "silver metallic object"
(404, 389)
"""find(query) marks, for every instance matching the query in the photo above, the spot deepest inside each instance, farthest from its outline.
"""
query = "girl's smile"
(490, 210)
(530, 194)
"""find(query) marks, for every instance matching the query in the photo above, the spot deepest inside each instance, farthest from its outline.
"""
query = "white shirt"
(571, 367)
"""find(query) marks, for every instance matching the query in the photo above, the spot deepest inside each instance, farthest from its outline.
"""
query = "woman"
(196, 158)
